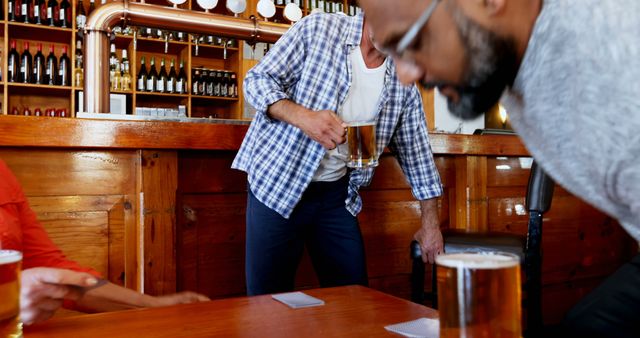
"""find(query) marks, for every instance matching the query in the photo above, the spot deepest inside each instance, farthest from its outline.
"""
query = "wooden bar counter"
(155, 206)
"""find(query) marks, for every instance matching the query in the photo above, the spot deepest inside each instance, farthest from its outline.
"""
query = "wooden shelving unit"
(214, 57)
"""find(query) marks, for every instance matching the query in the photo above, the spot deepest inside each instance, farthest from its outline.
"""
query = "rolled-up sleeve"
(411, 145)
(270, 80)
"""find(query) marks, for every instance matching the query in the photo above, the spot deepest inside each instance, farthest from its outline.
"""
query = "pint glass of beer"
(479, 295)
(361, 145)
(10, 263)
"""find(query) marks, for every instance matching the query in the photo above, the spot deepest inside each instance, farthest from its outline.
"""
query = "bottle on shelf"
(233, 85)
(195, 80)
(39, 11)
(92, 7)
(172, 80)
(224, 86)
(113, 67)
(13, 60)
(181, 82)
(51, 71)
(64, 70)
(52, 13)
(14, 111)
(26, 111)
(78, 71)
(161, 85)
(126, 73)
(64, 13)
(202, 82)
(26, 6)
(209, 79)
(217, 88)
(81, 16)
(142, 77)
(11, 10)
(38, 67)
(37, 112)
(26, 66)
(152, 78)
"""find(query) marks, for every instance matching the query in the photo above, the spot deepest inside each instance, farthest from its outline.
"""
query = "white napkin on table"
(419, 328)
(297, 299)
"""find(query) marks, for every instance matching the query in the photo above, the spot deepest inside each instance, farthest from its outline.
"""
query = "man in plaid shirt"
(322, 72)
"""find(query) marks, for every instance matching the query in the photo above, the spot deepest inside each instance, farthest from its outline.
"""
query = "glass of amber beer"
(361, 148)
(479, 295)
(10, 264)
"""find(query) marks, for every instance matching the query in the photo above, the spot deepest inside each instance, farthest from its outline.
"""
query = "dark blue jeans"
(321, 221)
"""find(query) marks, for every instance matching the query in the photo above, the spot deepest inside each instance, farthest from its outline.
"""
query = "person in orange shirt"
(49, 279)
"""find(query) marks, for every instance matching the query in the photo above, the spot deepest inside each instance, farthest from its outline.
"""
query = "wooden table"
(349, 311)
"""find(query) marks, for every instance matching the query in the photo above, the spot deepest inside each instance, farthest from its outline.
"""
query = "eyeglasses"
(410, 36)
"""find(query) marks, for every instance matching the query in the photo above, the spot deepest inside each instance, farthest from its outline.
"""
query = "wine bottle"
(217, 88)
(209, 79)
(172, 79)
(64, 13)
(113, 66)
(161, 85)
(27, 6)
(52, 13)
(81, 16)
(224, 87)
(152, 78)
(14, 63)
(11, 10)
(126, 77)
(195, 79)
(51, 72)
(64, 70)
(233, 85)
(78, 71)
(181, 83)
(39, 8)
(38, 67)
(92, 7)
(142, 76)
(26, 68)
(124, 70)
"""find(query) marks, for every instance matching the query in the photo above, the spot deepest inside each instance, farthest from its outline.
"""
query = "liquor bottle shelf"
(214, 98)
(39, 86)
(36, 27)
(162, 94)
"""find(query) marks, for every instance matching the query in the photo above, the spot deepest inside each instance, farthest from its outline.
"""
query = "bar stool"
(538, 201)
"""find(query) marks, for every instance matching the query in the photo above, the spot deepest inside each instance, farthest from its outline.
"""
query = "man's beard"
(491, 66)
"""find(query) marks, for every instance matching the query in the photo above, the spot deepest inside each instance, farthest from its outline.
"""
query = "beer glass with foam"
(479, 295)
(360, 148)
(10, 264)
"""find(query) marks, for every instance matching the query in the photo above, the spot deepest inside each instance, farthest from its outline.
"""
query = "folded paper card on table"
(297, 299)
(422, 327)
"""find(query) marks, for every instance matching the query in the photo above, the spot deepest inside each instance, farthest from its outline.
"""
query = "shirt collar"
(354, 31)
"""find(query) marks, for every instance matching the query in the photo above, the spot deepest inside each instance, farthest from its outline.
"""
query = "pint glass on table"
(361, 144)
(10, 263)
(479, 295)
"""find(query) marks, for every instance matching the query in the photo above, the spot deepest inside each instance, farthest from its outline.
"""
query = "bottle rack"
(67, 97)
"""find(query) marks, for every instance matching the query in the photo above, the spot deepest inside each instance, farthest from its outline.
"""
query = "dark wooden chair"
(528, 248)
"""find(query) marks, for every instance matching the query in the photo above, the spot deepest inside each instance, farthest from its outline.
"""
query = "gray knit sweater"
(576, 102)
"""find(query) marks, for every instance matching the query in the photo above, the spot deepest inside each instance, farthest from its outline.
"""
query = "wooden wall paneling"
(429, 107)
(159, 186)
(471, 192)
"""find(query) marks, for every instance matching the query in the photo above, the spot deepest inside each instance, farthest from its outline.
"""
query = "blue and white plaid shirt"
(310, 66)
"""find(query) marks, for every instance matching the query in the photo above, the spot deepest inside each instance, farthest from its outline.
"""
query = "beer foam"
(10, 256)
(480, 260)
(361, 123)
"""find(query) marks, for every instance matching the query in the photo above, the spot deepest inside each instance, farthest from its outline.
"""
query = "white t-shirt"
(360, 104)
